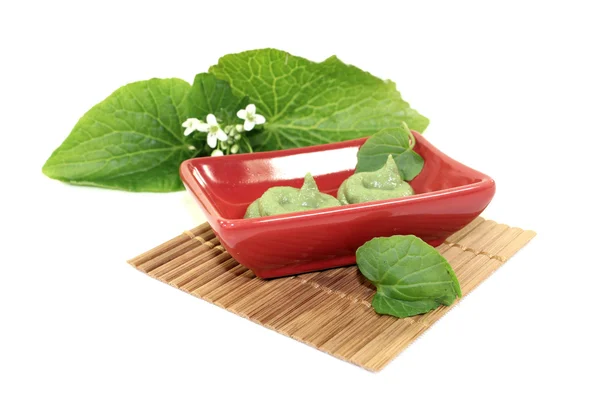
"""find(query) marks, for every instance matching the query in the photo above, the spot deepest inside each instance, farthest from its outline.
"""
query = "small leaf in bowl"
(398, 142)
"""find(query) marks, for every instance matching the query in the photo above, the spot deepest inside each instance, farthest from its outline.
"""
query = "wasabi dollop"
(385, 183)
(286, 199)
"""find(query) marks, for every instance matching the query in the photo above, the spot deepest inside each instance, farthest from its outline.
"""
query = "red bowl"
(448, 196)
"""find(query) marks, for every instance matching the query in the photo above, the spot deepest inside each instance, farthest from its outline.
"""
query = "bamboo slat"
(329, 310)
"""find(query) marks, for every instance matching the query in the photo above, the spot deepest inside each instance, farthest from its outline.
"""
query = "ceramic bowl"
(448, 195)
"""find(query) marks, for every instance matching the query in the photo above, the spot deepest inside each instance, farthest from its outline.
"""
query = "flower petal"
(211, 140)
(241, 114)
(216, 153)
(259, 119)
(248, 125)
(222, 136)
(188, 122)
(251, 109)
(202, 127)
(189, 130)
(211, 120)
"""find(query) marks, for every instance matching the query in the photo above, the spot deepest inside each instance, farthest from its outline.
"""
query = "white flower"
(251, 117)
(214, 131)
(235, 148)
(216, 153)
(193, 124)
(239, 128)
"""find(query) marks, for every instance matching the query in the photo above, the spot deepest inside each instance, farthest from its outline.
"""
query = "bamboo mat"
(331, 309)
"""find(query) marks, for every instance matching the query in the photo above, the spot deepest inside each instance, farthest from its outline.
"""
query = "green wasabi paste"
(285, 199)
(385, 183)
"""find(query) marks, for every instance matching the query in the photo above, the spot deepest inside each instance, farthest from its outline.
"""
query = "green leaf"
(210, 95)
(307, 103)
(411, 276)
(133, 140)
(373, 154)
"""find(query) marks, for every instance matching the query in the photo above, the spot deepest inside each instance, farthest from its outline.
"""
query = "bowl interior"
(231, 183)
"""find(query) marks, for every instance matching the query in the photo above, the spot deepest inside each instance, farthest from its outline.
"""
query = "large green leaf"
(132, 140)
(411, 276)
(309, 103)
(210, 95)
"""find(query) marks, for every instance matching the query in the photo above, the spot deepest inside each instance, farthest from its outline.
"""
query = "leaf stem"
(411, 138)
(247, 143)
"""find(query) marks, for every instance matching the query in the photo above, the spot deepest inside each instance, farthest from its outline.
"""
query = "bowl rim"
(192, 184)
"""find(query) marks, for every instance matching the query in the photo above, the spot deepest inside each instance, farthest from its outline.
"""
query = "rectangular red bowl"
(448, 196)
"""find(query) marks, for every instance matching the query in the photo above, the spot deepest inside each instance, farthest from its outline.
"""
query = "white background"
(511, 90)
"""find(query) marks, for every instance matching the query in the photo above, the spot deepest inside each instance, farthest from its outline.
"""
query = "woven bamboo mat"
(331, 309)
